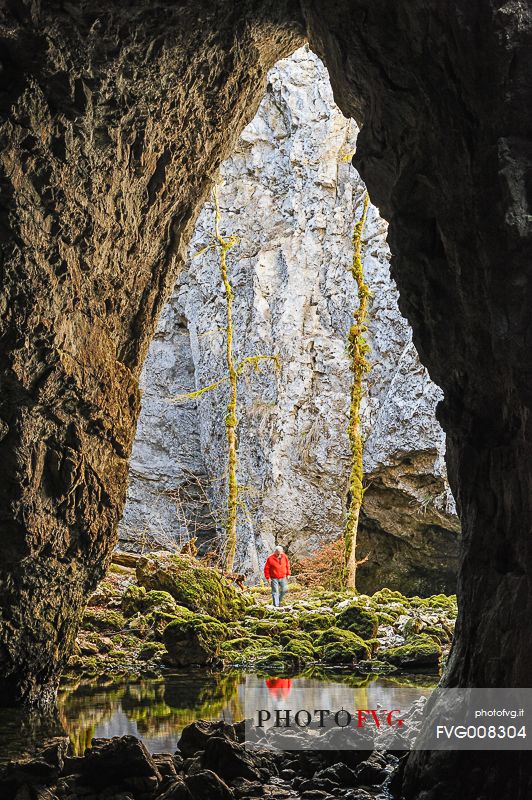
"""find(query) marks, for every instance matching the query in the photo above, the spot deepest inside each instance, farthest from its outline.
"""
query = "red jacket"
(277, 567)
(279, 688)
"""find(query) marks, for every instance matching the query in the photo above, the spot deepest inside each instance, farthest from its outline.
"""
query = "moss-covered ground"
(172, 612)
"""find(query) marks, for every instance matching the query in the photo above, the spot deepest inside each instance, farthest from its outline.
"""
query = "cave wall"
(445, 151)
(113, 121)
(290, 194)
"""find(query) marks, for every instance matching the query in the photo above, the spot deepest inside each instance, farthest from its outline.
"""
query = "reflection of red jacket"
(276, 567)
(279, 687)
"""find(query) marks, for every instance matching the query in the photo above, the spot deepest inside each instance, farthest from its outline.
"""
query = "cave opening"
(290, 195)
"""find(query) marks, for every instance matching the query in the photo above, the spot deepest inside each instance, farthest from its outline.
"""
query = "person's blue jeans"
(279, 587)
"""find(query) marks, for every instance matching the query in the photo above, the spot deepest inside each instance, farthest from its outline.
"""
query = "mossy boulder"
(337, 646)
(397, 610)
(272, 661)
(283, 616)
(103, 619)
(412, 627)
(193, 585)
(386, 596)
(386, 619)
(297, 652)
(266, 627)
(295, 636)
(259, 611)
(133, 600)
(330, 635)
(445, 600)
(87, 665)
(316, 620)
(358, 619)
(373, 644)
(441, 602)
(235, 647)
(150, 650)
(194, 641)
(420, 651)
(249, 650)
(136, 600)
(124, 641)
(438, 632)
(297, 648)
(156, 621)
(347, 651)
(105, 593)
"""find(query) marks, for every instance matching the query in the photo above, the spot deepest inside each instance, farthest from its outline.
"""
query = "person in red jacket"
(277, 571)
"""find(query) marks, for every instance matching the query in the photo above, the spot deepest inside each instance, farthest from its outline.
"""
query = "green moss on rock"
(347, 651)
(438, 633)
(103, 619)
(412, 627)
(297, 652)
(295, 636)
(87, 665)
(358, 619)
(316, 620)
(419, 651)
(194, 641)
(151, 649)
(237, 645)
(193, 585)
(373, 645)
(337, 646)
(386, 596)
(124, 641)
(136, 600)
(266, 627)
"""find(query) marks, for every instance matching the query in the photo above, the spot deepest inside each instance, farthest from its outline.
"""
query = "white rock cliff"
(290, 195)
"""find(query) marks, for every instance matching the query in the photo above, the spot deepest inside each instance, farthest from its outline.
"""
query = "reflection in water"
(156, 710)
(279, 688)
(22, 730)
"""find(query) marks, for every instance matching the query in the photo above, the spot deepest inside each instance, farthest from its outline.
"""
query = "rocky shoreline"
(211, 763)
(161, 612)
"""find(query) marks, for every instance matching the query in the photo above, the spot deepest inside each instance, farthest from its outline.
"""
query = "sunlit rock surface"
(290, 194)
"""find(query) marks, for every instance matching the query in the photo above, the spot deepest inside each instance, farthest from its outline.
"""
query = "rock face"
(168, 498)
(290, 195)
